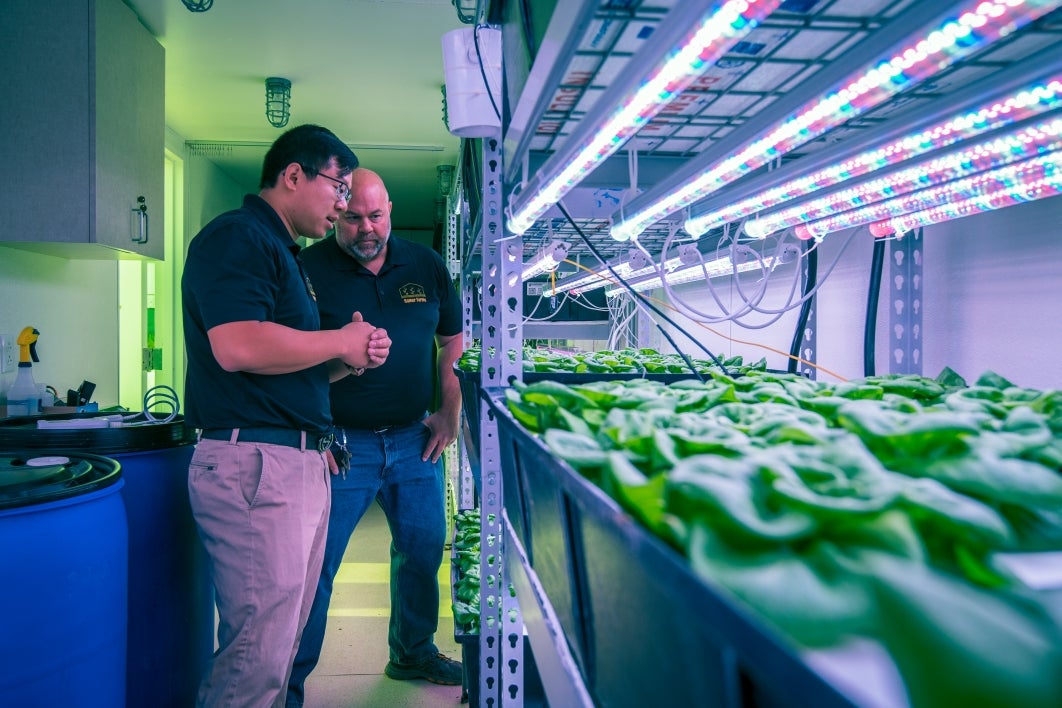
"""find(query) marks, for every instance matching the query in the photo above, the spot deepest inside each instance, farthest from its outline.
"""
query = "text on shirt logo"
(412, 293)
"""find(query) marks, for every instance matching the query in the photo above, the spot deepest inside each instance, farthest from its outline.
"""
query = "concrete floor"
(350, 672)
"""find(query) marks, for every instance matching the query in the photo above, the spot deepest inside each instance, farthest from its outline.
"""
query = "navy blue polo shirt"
(412, 298)
(243, 266)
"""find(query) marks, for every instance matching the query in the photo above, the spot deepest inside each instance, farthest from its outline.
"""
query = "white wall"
(74, 306)
(994, 294)
(992, 301)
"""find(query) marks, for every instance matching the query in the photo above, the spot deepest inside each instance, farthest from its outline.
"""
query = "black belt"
(273, 436)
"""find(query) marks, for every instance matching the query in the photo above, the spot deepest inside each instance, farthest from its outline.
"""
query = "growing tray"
(643, 627)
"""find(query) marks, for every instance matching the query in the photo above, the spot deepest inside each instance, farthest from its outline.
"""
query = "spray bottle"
(23, 397)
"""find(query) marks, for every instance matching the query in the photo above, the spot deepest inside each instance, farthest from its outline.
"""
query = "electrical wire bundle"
(155, 396)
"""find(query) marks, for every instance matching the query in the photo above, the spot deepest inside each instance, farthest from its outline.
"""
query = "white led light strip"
(576, 281)
(1024, 143)
(1048, 185)
(693, 273)
(991, 182)
(979, 24)
(603, 276)
(717, 31)
(1025, 103)
(547, 259)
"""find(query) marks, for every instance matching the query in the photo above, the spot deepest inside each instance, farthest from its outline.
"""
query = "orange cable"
(671, 307)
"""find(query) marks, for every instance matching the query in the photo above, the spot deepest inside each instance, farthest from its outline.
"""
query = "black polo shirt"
(243, 266)
(412, 298)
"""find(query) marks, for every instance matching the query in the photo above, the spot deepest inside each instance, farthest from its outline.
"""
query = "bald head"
(363, 229)
(363, 179)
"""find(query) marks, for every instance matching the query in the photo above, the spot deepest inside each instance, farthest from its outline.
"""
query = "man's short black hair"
(311, 146)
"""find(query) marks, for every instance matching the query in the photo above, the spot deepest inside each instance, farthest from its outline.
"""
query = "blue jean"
(385, 466)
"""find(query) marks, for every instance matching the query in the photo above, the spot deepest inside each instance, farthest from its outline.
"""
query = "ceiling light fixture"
(278, 101)
(677, 56)
(198, 5)
(967, 28)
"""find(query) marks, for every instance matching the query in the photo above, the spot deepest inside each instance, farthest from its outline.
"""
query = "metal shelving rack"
(496, 164)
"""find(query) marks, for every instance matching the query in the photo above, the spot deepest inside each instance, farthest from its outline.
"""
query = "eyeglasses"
(342, 190)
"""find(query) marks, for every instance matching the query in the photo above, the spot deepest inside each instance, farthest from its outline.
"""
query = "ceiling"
(370, 70)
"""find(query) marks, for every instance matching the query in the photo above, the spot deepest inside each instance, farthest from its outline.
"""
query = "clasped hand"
(367, 346)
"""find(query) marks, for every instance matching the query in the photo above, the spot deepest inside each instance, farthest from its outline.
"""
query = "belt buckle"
(325, 441)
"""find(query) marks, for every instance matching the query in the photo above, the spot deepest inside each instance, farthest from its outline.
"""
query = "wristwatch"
(355, 370)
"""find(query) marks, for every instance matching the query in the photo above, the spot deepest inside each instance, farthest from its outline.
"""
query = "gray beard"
(360, 253)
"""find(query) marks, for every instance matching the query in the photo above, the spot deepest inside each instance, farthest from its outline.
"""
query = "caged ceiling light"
(278, 101)
(198, 5)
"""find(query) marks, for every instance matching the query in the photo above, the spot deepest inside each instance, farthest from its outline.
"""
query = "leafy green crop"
(622, 361)
(467, 588)
(466, 558)
(843, 509)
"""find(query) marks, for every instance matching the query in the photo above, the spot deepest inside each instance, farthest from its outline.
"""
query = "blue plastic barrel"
(171, 598)
(63, 579)
(170, 595)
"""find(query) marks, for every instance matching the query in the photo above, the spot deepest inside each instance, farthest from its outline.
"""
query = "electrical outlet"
(8, 353)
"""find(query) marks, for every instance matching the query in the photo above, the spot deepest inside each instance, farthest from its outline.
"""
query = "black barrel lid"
(32, 477)
(23, 433)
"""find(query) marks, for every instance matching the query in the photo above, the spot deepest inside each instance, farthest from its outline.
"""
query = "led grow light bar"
(979, 23)
(1025, 142)
(677, 56)
(1011, 176)
(603, 276)
(1034, 99)
(576, 282)
(1049, 185)
(546, 260)
(692, 273)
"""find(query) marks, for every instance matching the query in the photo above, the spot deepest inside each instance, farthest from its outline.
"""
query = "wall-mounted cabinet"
(83, 124)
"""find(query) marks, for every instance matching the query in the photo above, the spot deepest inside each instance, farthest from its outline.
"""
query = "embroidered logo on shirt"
(412, 293)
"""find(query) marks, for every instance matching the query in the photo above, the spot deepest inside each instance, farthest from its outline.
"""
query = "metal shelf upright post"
(501, 657)
(905, 303)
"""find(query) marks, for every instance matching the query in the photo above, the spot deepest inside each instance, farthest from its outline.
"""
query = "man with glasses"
(387, 438)
(259, 368)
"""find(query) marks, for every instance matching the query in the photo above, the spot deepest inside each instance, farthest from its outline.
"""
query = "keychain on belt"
(341, 453)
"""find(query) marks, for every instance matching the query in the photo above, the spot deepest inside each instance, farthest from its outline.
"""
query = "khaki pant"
(262, 511)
